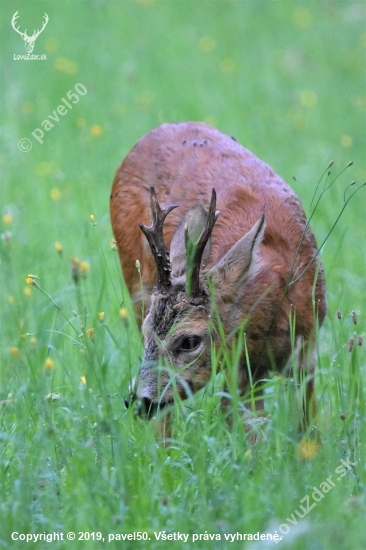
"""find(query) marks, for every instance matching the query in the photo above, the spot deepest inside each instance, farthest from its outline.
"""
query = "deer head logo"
(29, 40)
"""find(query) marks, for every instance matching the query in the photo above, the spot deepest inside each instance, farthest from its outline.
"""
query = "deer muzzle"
(153, 390)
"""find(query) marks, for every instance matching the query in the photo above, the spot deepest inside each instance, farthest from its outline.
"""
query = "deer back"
(184, 162)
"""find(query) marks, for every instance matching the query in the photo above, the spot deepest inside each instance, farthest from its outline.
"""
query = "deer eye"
(189, 344)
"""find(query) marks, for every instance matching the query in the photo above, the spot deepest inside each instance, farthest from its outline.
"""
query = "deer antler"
(38, 32)
(154, 235)
(195, 250)
(13, 21)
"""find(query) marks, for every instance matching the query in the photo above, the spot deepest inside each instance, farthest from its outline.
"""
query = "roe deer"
(255, 260)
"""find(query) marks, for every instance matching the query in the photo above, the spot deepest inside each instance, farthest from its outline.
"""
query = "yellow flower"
(27, 291)
(90, 332)
(308, 98)
(30, 280)
(52, 45)
(27, 107)
(45, 168)
(7, 219)
(346, 141)
(101, 316)
(48, 364)
(84, 268)
(92, 219)
(96, 130)
(123, 313)
(228, 65)
(307, 449)
(146, 99)
(55, 194)
(83, 379)
(206, 44)
(298, 118)
(14, 351)
(65, 65)
(33, 340)
(211, 121)
(58, 247)
(302, 17)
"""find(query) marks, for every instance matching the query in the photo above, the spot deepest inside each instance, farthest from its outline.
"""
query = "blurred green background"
(287, 79)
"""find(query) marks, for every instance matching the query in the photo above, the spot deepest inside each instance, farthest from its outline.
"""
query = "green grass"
(286, 79)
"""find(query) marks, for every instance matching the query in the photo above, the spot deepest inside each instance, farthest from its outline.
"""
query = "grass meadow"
(286, 78)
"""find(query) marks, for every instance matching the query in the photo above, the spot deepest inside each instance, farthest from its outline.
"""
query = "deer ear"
(239, 261)
(194, 220)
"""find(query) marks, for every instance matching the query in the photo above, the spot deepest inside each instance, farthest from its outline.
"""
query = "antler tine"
(38, 32)
(193, 271)
(154, 235)
(13, 21)
(14, 18)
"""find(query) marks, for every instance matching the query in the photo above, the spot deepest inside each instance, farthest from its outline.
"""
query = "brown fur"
(184, 162)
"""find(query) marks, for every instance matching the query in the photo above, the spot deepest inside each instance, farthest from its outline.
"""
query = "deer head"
(29, 40)
(177, 330)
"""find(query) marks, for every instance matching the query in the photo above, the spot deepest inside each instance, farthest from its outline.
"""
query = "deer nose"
(145, 406)
(129, 400)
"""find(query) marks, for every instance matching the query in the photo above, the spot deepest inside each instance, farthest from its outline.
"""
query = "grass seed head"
(78, 269)
(350, 344)
(75, 270)
(5, 237)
